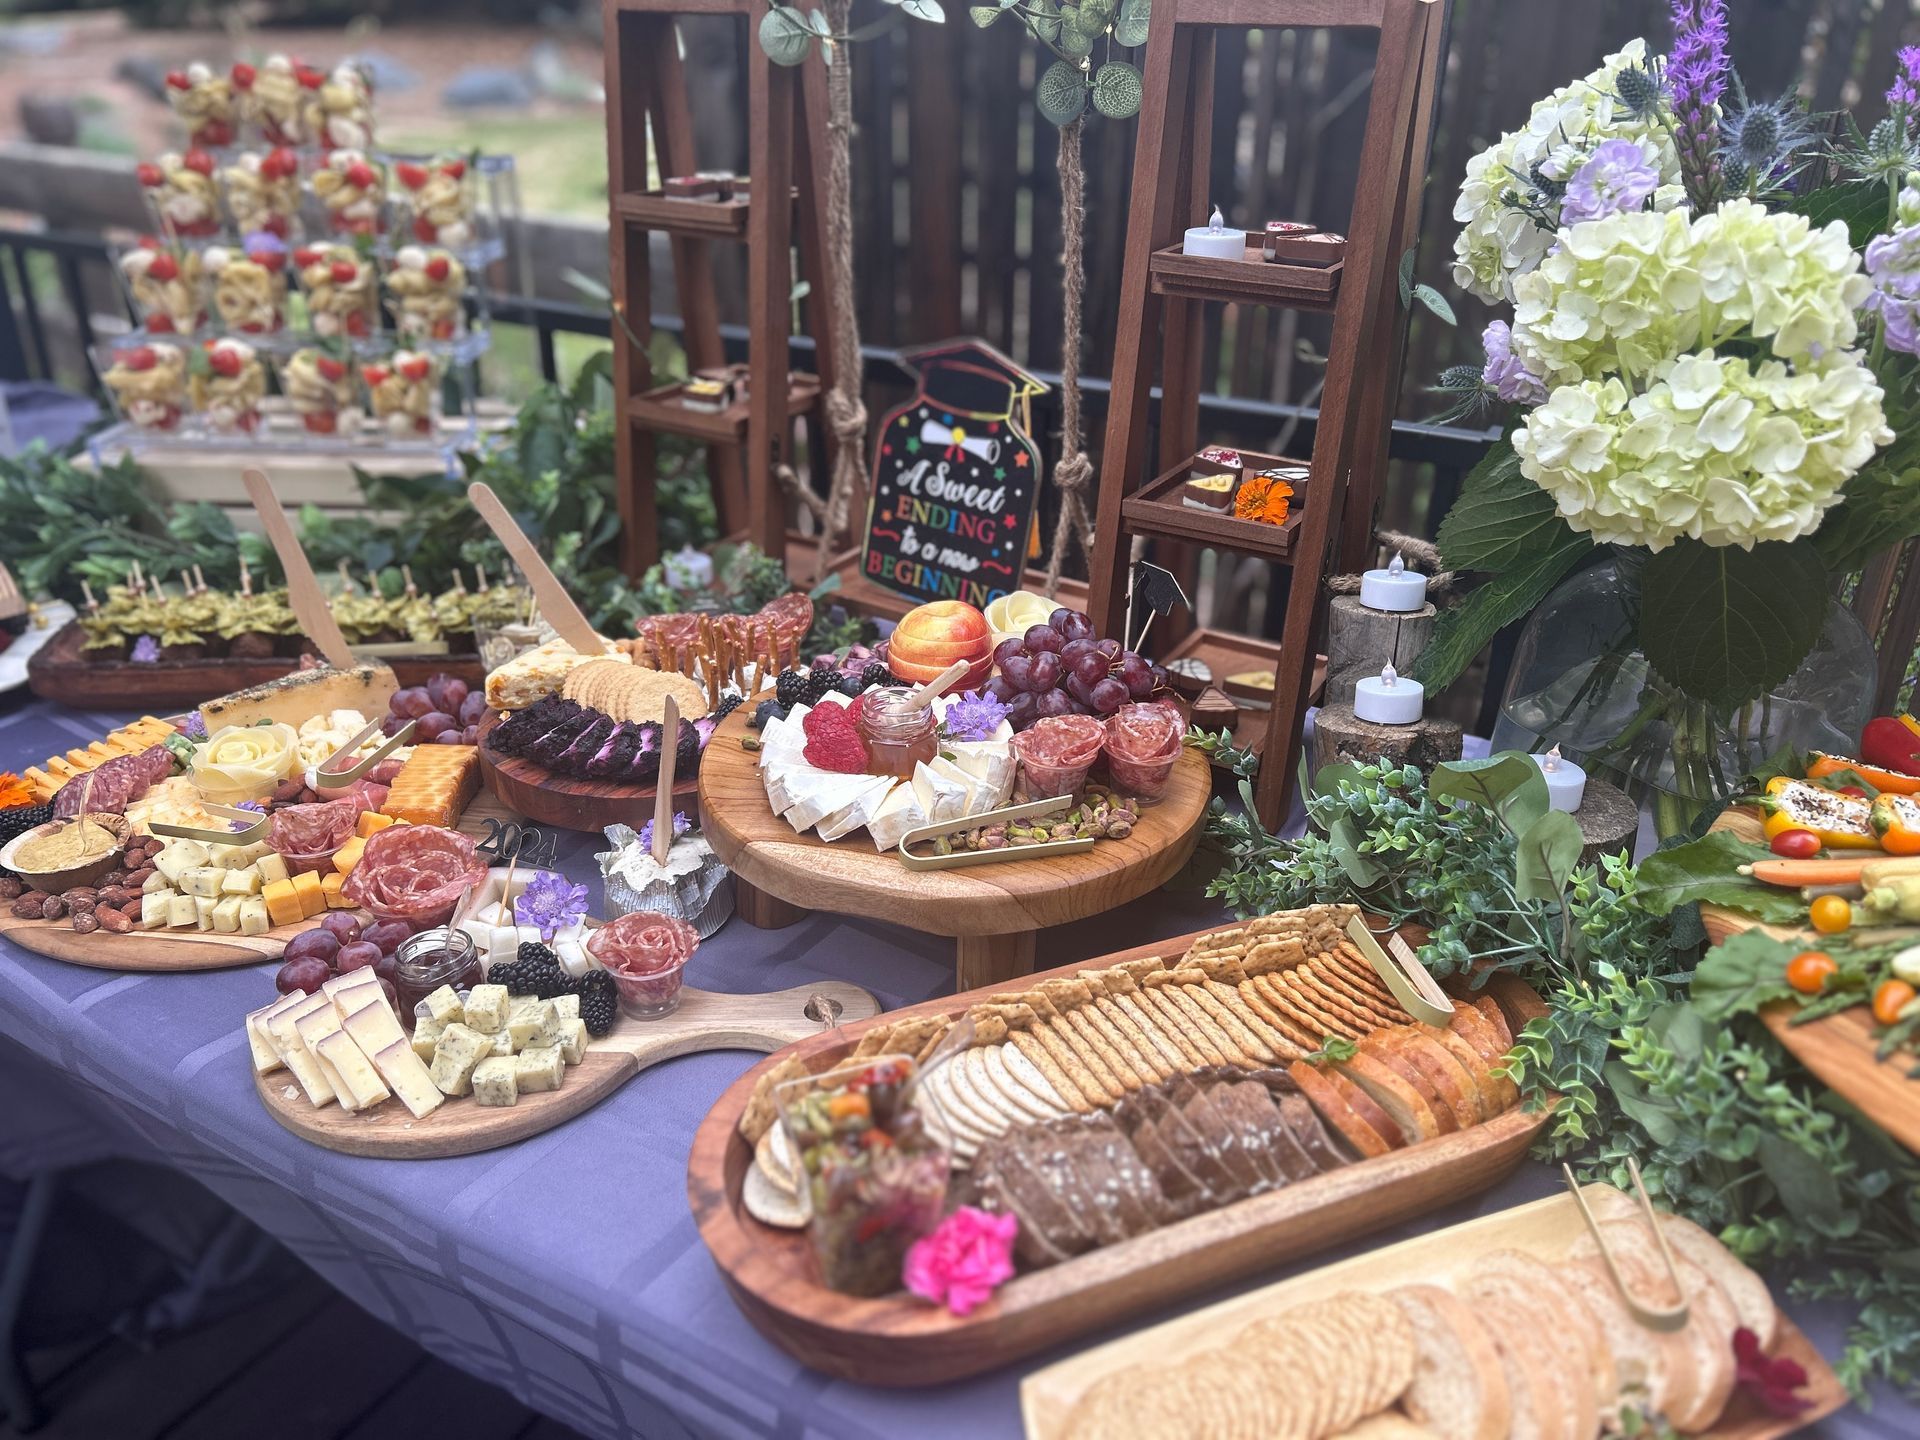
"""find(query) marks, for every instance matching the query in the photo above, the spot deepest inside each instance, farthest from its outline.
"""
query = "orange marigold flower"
(1263, 500)
(14, 792)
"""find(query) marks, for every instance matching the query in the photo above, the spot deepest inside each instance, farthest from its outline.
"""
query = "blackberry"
(876, 673)
(787, 688)
(769, 710)
(728, 704)
(539, 972)
(687, 752)
(817, 684)
(850, 685)
(599, 1001)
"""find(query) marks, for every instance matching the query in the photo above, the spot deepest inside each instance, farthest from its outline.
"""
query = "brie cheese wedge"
(900, 812)
(941, 795)
(856, 813)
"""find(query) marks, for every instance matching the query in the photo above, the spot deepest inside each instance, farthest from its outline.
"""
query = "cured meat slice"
(308, 836)
(644, 943)
(415, 873)
(116, 783)
(1056, 751)
(1143, 743)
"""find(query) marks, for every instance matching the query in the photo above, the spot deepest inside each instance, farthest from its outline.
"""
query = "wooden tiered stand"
(1161, 317)
(646, 83)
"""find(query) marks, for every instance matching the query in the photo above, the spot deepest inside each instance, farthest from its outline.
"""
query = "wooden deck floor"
(309, 1365)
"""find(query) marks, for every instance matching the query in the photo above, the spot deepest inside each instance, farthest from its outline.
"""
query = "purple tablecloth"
(565, 1268)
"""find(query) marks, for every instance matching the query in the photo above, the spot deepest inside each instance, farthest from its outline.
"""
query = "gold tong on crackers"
(1005, 815)
(1401, 972)
(1654, 1317)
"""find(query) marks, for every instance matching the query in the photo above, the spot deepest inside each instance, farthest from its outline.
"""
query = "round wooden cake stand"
(532, 790)
(992, 911)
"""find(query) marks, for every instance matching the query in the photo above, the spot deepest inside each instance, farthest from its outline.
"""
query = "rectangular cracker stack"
(435, 785)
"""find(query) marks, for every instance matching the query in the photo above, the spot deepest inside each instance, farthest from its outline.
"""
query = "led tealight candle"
(1215, 241)
(1390, 700)
(1394, 588)
(1566, 781)
(689, 569)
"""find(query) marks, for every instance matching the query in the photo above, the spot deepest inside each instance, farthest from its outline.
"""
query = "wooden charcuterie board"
(706, 1020)
(1547, 1228)
(1838, 1048)
(147, 950)
(535, 792)
(898, 1340)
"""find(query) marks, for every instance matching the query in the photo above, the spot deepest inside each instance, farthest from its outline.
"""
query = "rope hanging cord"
(846, 415)
(1073, 475)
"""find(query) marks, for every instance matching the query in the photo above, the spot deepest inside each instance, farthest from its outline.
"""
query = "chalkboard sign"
(955, 475)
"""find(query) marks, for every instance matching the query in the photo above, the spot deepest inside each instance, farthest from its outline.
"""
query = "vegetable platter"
(1171, 1011)
(1488, 1284)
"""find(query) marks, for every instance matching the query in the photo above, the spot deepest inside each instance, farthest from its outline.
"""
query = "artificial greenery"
(1072, 30)
(1642, 1056)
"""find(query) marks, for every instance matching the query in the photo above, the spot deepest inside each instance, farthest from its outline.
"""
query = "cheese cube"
(503, 945)
(180, 912)
(179, 857)
(526, 1022)
(443, 1005)
(567, 1005)
(283, 905)
(156, 883)
(348, 855)
(494, 1083)
(314, 1026)
(354, 1070)
(539, 1068)
(154, 908)
(306, 889)
(373, 1027)
(203, 881)
(455, 1055)
(333, 887)
(241, 882)
(272, 867)
(487, 1009)
(424, 1043)
(407, 1074)
(203, 907)
(254, 919)
(503, 1044)
(372, 822)
(573, 1040)
(226, 915)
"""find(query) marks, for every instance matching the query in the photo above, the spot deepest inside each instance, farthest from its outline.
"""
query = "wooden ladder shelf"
(646, 88)
(1161, 318)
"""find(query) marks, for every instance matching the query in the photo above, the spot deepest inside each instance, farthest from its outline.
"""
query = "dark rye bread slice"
(1333, 1099)
(1190, 1145)
(1406, 1107)
(1435, 1072)
(1283, 1148)
(1303, 1123)
(1221, 1134)
(1035, 1241)
(1459, 1389)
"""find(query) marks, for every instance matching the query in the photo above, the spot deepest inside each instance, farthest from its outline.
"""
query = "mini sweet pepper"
(1895, 819)
(1892, 742)
(1841, 822)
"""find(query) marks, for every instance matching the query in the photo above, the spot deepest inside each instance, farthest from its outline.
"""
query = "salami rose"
(415, 873)
(1055, 753)
(308, 836)
(646, 953)
(1143, 743)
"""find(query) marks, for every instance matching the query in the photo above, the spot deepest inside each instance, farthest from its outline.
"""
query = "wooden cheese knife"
(307, 600)
(555, 604)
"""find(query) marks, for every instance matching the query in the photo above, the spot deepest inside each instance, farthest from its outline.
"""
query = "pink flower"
(961, 1263)
(1775, 1381)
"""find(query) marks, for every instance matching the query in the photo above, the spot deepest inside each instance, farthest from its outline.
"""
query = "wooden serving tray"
(899, 1340)
(545, 798)
(147, 950)
(706, 1020)
(58, 673)
(1548, 1228)
(1840, 1048)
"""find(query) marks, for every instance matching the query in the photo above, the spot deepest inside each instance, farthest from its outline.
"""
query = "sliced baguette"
(1443, 1059)
(1429, 1070)
(1459, 1390)
(1333, 1107)
(1655, 1368)
(1529, 1363)
(1747, 1290)
(1545, 1281)
(1404, 1104)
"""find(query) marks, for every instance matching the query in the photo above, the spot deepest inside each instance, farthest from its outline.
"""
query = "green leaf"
(1509, 784)
(1344, 835)
(786, 36)
(1653, 1116)
(1117, 90)
(1062, 92)
(1130, 29)
(1466, 627)
(1075, 41)
(1727, 625)
(1708, 869)
(1863, 207)
(1881, 509)
(1740, 974)
(1502, 519)
(1045, 24)
(1544, 856)
(1332, 775)
(928, 10)
(1436, 302)
(1808, 1189)
(984, 15)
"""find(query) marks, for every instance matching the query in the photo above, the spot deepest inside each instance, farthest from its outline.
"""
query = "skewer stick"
(406, 574)
(663, 791)
(93, 605)
(199, 581)
(139, 579)
(246, 579)
(186, 584)
(481, 571)
(1135, 647)
(459, 582)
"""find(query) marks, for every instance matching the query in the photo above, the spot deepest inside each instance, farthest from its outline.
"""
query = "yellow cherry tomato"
(1830, 914)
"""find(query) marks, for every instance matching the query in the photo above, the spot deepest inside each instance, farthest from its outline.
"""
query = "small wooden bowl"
(53, 882)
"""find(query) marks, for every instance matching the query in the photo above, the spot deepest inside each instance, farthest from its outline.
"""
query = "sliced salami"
(1143, 743)
(308, 836)
(645, 952)
(116, 783)
(1055, 753)
(415, 873)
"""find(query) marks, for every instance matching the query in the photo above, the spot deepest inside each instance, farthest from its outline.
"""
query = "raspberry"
(839, 751)
(853, 708)
(825, 720)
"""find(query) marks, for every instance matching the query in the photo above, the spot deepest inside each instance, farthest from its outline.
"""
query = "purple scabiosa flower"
(195, 729)
(1697, 70)
(1505, 373)
(259, 806)
(550, 903)
(1893, 264)
(680, 827)
(146, 650)
(974, 717)
(1906, 83)
(1617, 178)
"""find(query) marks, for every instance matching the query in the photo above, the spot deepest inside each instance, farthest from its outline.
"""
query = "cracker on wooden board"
(1187, 1028)
(1080, 1060)
(1125, 996)
(1270, 956)
(1375, 1002)
(1276, 1042)
(1284, 999)
(1236, 1031)
(1088, 1029)
(1312, 1004)
(1257, 1000)
(1335, 1001)
(1120, 1029)
(761, 1109)
(1035, 1053)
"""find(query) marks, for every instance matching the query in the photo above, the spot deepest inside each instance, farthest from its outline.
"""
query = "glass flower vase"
(1580, 681)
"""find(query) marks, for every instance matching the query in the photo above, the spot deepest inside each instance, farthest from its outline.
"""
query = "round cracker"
(770, 1205)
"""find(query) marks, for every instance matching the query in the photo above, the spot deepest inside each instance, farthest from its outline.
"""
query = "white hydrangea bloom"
(1715, 448)
(1497, 242)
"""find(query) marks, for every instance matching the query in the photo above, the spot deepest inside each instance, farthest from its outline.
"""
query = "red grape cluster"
(1061, 668)
(443, 709)
(339, 943)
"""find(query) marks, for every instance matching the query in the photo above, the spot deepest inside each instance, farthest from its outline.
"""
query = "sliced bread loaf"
(1459, 1390)
(1748, 1291)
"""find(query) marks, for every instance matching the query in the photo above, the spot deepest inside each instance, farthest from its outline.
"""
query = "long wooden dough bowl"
(992, 911)
(706, 1020)
(147, 950)
(902, 1341)
(1838, 1048)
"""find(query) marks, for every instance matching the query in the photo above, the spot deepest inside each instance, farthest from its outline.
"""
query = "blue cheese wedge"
(539, 1068)
(364, 1087)
(296, 698)
(409, 1078)
(455, 1055)
(494, 1082)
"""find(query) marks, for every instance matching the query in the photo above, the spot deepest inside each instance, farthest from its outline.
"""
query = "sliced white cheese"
(900, 812)
(349, 1062)
(988, 764)
(857, 812)
(952, 791)
(820, 793)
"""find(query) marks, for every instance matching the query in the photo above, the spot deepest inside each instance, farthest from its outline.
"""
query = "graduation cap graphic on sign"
(1155, 591)
(955, 476)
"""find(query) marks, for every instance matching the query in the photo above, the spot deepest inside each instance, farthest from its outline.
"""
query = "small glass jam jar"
(898, 734)
(436, 957)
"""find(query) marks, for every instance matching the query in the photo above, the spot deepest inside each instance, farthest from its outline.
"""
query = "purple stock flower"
(1893, 264)
(1906, 83)
(551, 903)
(1697, 70)
(146, 650)
(195, 729)
(1506, 374)
(1619, 177)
